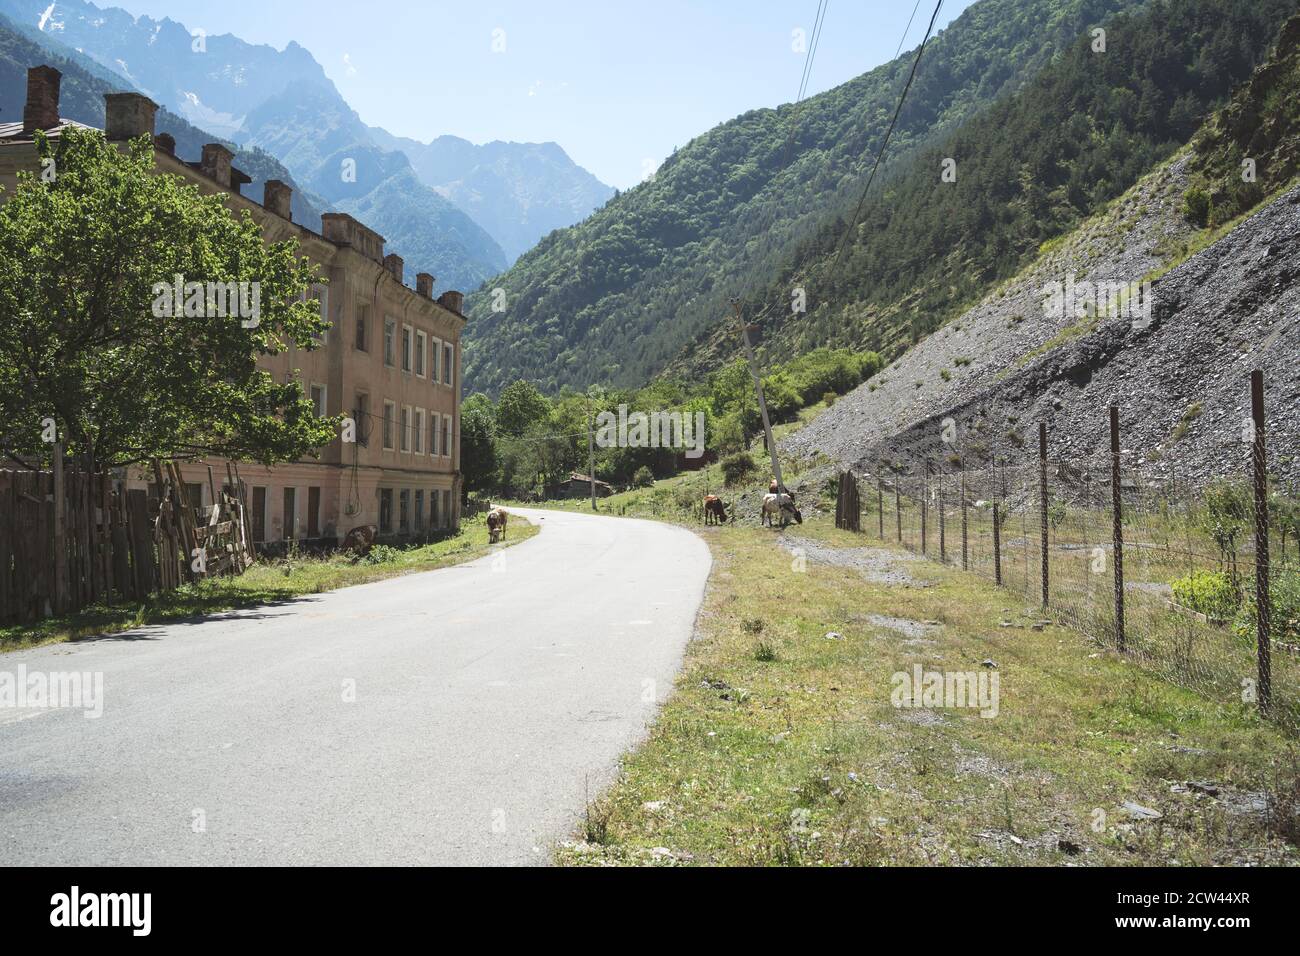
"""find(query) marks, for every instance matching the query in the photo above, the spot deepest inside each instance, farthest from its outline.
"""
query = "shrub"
(1284, 617)
(1209, 592)
(381, 554)
(1196, 206)
(736, 468)
(643, 477)
(829, 399)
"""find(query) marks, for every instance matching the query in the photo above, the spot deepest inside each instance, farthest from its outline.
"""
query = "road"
(459, 716)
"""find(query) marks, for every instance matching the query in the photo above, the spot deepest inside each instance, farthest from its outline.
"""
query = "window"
(318, 399)
(406, 348)
(194, 494)
(390, 342)
(434, 431)
(321, 294)
(435, 362)
(406, 428)
(390, 413)
(386, 511)
(448, 363)
(361, 415)
(419, 511)
(420, 346)
(404, 511)
(363, 327)
(446, 508)
(446, 436)
(259, 515)
(433, 509)
(313, 512)
(290, 513)
(417, 432)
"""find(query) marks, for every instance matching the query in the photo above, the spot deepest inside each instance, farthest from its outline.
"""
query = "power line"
(853, 224)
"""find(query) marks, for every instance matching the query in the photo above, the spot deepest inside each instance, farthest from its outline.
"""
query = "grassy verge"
(266, 583)
(781, 745)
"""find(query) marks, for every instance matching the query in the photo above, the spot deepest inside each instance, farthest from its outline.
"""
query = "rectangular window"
(313, 512)
(290, 513)
(386, 511)
(435, 362)
(406, 348)
(404, 511)
(433, 509)
(417, 432)
(420, 347)
(446, 508)
(446, 436)
(390, 342)
(318, 399)
(194, 493)
(361, 415)
(258, 505)
(448, 363)
(363, 327)
(435, 431)
(419, 510)
(406, 428)
(321, 294)
(390, 413)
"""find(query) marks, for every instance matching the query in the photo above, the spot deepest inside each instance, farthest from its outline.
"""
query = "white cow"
(782, 506)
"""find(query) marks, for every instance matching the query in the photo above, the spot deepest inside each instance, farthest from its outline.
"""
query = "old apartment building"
(390, 359)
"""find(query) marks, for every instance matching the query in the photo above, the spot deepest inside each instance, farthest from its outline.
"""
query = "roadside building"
(390, 360)
(579, 486)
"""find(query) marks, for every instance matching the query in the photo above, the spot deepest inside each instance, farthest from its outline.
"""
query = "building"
(579, 486)
(391, 358)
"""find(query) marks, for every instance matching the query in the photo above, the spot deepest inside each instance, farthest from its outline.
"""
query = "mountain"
(518, 192)
(619, 297)
(82, 99)
(282, 103)
(1225, 296)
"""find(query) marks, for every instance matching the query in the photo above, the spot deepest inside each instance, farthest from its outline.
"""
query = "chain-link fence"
(1199, 582)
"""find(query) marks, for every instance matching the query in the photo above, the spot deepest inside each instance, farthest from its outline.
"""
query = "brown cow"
(496, 522)
(715, 510)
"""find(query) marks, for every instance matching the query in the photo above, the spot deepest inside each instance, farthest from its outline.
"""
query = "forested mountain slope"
(617, 297)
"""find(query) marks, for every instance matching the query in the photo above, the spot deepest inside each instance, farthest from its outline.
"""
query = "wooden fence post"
(60, 533)
(1263, 597)
(943, 546)
(880, 503)
(925, 504)
(1042, 507)
(965, 564)
(997, 529)
(1117, 525)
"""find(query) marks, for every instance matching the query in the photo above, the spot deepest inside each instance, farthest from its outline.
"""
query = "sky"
(618, 85)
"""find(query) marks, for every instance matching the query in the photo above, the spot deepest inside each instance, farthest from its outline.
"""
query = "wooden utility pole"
(758, 390)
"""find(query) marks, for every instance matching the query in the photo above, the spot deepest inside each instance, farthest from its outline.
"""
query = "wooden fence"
(70, 539)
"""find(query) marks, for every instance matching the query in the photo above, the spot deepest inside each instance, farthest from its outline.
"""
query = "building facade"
(390, 360)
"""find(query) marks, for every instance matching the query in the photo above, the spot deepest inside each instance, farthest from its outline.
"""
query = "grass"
(266, 583)
(780, 744)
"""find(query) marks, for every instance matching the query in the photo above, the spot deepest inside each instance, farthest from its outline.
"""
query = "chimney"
(276, 197)
(424, 284)
(394, 264)
(166, 142)
(42, 109)
(216, 163)
(454, 301)
(128, 115)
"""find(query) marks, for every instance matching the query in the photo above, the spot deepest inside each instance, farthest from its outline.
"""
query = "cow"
(781, 505)
(361, 539)
(496, 522)
(715, 510)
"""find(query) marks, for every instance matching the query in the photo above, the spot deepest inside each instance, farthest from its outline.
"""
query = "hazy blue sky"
(617, 84)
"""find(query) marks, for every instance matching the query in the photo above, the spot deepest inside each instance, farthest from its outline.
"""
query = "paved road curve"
(490, 698)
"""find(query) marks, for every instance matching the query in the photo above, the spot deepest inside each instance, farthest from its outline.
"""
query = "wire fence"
(1200, 583)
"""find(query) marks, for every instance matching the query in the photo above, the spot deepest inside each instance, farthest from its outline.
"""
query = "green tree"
(80, 340)
(478, 447)
(520, 407)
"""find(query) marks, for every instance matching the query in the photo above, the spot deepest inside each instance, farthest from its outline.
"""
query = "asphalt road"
(459, 716)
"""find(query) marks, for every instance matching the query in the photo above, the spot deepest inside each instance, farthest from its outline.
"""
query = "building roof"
(14, 131)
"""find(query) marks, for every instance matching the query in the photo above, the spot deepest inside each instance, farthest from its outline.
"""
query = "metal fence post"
(898, 508)
(880, 503)
(1042, 505)
(925, 508)
(943, 544)
(997, 528)
(1263, 598)
(964, 561)
(1117, 512)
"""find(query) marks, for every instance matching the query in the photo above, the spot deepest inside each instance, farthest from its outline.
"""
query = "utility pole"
(758, 389)
(591, 451)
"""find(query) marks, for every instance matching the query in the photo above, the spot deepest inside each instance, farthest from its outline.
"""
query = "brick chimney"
(424, 284)
(128, 115)
(42, 109)
(394, 264)
(166, 142)
(455, 301)
(215, 163)
(277, 198)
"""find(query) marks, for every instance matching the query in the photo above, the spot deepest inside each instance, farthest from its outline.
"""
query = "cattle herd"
(778, 506)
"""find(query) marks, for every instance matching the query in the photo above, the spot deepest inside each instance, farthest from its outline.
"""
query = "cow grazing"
(715, 510)
(496, 522)
(780, 506)
(361, 539)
